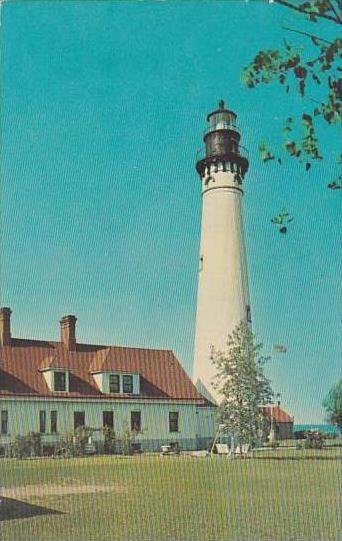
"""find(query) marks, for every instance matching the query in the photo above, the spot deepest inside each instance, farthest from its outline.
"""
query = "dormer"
(116, 382)
(57, 379)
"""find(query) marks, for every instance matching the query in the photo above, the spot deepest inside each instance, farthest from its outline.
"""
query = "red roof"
(161, 375)
(278, 414)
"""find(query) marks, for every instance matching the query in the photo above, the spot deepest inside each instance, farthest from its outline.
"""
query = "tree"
(244, 387)
(313, 72)
(333, 405)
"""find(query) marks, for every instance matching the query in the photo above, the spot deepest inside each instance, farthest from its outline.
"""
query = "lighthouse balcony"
(233, 160)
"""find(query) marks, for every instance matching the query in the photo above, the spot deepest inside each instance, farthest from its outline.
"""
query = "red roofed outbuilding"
(281, 423)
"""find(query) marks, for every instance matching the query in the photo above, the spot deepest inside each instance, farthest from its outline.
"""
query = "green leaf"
(307, 118)
(302, 87)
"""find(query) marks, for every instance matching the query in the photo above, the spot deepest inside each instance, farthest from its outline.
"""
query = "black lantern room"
(221, 140)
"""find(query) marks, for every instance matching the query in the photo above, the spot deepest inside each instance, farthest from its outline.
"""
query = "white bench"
(223, 449)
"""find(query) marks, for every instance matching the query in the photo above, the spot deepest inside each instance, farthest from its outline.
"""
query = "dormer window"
(127, 383)
(117, 382)
(59, 379)
(114, 383)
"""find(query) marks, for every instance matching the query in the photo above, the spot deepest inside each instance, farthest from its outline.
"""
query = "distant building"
(54, 387)
(281, 423)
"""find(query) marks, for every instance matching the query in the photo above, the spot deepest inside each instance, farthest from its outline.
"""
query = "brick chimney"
(68, 332)
(5, 326)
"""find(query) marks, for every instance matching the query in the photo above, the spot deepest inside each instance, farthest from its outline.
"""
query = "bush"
(109, 440)
(314, 439)
(330, 435)
(125, 441)
(273, 444)
(65, 445)
(26, 446)
(74, 443)
(35, 442)
(80, 440)
(20, 448)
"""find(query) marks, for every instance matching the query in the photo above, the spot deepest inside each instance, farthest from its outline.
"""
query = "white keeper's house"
(54, 387)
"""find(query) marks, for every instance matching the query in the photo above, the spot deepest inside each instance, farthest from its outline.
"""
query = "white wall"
(23, 417)
(223, 294)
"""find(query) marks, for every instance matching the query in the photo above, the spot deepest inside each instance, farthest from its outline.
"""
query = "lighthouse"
(223, 293)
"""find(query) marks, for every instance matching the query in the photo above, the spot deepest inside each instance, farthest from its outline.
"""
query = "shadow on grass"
(11, 509)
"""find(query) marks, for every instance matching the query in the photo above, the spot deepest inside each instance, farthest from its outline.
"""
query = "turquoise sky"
(104, 106)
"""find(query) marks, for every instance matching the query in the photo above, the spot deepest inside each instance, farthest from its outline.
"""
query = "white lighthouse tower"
(223, 296)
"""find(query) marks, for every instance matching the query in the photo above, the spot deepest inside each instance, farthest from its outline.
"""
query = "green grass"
(289, 496)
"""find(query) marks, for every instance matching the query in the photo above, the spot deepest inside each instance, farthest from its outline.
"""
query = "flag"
(279, 348)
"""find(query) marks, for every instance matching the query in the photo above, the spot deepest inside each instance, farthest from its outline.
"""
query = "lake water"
(321, 428)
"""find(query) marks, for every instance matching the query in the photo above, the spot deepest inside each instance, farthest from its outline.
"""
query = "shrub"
(126, 441)
(26, 446)
(273, 444)
(20, 447)
(65, 445)
(109, 440)
(35, 443)
(330, 435)
(80, 440)
(74, 443)
(314, 439)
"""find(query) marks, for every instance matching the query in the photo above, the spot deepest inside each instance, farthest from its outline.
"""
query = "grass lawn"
(288, 495)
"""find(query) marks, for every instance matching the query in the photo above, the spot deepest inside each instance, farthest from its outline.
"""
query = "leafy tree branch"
(305, 70)
(315, 9)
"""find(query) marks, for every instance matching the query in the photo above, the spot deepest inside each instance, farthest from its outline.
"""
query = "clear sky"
(104, 106)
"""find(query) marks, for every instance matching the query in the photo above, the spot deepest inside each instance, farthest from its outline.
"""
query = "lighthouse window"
(201, 263)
